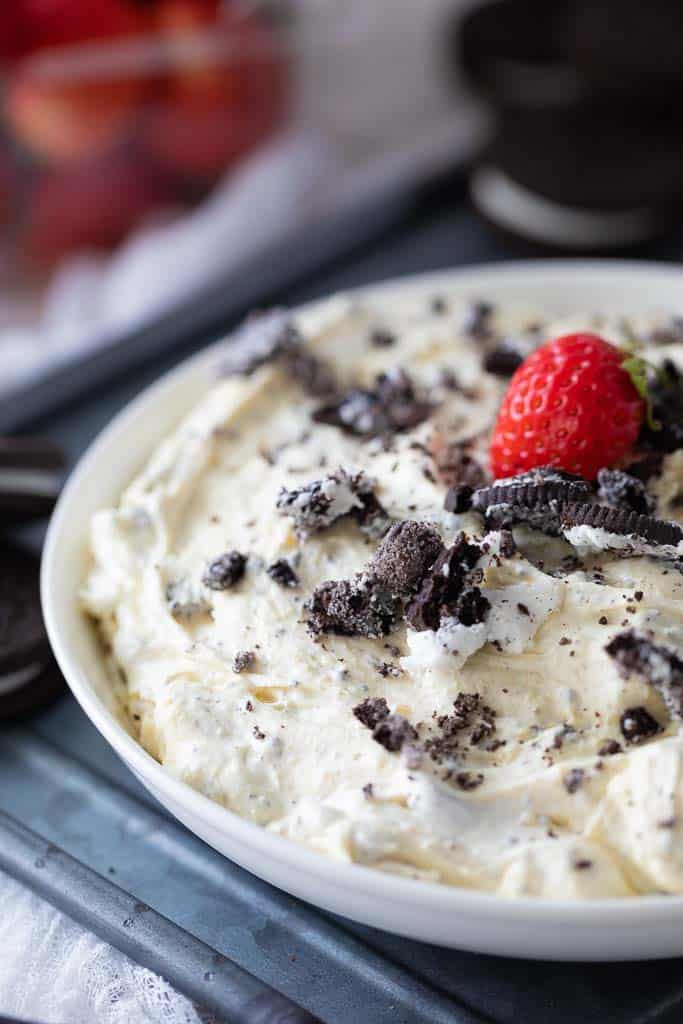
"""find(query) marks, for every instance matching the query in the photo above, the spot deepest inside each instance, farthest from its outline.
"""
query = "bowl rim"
(365, 881)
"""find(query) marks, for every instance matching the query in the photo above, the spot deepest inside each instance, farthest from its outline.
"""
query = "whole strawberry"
(572, 404)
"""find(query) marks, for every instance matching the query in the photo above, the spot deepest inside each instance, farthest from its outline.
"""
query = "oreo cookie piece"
(638, 725)
(620, 531)
(282, 573)
(30, 478)
(455, 464)
(446, 591)
(636, 653)
(621, 490)
(270, 337)
(405, 555)
(536, 498)
(225, 571)
(258, 341)
(393, 405)
(318, 504)
(28, 675)
(666, 393)
(359, 607)
(503, 359)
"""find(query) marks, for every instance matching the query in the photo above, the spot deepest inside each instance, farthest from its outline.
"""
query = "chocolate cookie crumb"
(368, 792)
(320, 503)
(393, 731)
(635, 652)
(477, 322)
(362, 607)
(405, 556)
(242, 662)
(638, 725)
(441, 591)
(258, 733)
(381, 338)
(666, 392)
(225, 571)
(282, 573)
(583, 865)
(371, 711)
(455, 464)
(393, 405)
(503, 360)
(608, 748)
(458, 499)
(620, 490)
(573, 780)
(469, 780)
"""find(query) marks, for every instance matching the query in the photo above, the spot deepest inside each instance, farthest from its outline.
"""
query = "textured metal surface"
(59, 777)
(196, 969)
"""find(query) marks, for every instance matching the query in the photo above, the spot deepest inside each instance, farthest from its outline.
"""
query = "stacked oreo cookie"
(606, 517)
(587, 148)
(30, 480)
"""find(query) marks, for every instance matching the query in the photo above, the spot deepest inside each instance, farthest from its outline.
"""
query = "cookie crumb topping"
(225, 571)
(393, 405)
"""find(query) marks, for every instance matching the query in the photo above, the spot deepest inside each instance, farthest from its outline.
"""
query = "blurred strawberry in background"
(121, 106)
(225, 86)
(65, 99)
(89, 207)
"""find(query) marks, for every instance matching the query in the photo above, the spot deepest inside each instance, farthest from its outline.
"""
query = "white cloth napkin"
(53, 971)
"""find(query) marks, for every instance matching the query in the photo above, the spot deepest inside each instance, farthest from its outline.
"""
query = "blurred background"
(152, 148)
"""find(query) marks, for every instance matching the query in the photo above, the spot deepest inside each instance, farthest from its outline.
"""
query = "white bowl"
(647, 927)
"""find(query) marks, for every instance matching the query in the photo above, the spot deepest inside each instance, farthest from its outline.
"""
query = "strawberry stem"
(639, 370)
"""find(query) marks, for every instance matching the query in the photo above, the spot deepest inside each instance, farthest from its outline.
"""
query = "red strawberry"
(572, 404)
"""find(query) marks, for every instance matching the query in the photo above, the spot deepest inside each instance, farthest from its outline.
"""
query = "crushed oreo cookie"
(382, 338)
(314, 375)
(660, 665)
(371, 711)
(608, 748)
(272, 336)
(319, 503)
(405, 555)
(477, 321)
(360, 607)
(393, 731)
(258, 341)
(389, 729)
(503, 359)
(282, 573)
(573, 780)
(638, 725)
(666, 393)
(225, 571)
(621, 490)
(458, 499)
(646, 535)
(391, 406)
(536, 498)
(469, 713)
(443, 587)
(243, 661)
(468, 781)
(645, 463)
(455, 464)
(372, 518)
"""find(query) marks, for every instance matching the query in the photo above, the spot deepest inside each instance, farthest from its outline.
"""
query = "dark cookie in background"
(31, 472)
(29, 677)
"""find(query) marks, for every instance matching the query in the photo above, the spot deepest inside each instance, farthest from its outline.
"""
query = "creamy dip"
(533, 788)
